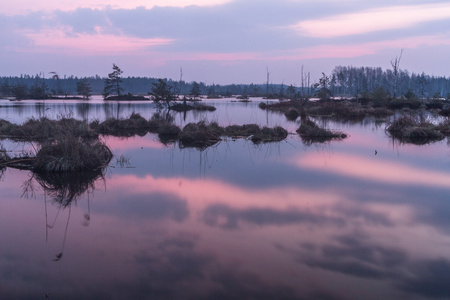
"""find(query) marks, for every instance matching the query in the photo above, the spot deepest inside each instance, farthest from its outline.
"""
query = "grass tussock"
(292, 114)
(245, 130)
(311, 133)
(70, 154)
(200, 135)
(341, 110)
(180, 107)
(267, 135)
(409, 130)
(134, 125)
(45, 129)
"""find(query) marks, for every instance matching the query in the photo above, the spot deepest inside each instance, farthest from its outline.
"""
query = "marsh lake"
(237, 220)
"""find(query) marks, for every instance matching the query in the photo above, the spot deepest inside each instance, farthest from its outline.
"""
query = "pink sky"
(221, 41)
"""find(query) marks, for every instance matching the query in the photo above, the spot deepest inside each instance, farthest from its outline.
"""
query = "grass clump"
(245, 130)
(69, 154)
(292, 114)
(267, 134)
(44, 129)
(311, 133)
(410, 130)
(180, 107)
(200, 135)
(133, 125)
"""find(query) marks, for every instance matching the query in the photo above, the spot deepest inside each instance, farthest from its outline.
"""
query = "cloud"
(385, 18)
(56, 40)
(26, 6)
(227, 217)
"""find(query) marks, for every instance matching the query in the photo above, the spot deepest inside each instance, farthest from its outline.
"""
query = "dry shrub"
(68, 153)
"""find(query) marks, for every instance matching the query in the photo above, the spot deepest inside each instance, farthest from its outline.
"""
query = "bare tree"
(396, 80)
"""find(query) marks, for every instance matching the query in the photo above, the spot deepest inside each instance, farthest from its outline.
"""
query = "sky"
(222, 41)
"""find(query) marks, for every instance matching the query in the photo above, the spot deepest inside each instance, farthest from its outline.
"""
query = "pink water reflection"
(375, 169)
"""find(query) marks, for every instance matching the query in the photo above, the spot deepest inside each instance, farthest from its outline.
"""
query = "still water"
(235, 221)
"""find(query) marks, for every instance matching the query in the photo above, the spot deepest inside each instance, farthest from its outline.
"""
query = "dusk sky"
(222, 41)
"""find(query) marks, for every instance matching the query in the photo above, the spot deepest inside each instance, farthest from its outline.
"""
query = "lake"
(285, 220)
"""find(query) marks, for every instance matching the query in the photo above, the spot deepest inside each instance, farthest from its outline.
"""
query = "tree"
(323, 91)
(5, 88)
(84, 88)
(395, 81)
(112, 83)
(195, 91)
(161, 91)
(291, 92)
(19, 90)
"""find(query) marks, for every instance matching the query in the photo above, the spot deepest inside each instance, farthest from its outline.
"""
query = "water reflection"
(63, 188)
(279, 221)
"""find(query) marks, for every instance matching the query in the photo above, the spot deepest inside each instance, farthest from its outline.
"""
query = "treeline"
(354, 81)
(343, 81)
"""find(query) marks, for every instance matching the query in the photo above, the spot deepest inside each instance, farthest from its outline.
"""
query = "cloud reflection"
(374, 169)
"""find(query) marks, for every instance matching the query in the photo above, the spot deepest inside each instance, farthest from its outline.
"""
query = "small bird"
(376, 152)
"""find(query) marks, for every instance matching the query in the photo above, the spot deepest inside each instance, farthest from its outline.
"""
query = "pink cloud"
(57, 40)
(385, 18)
(27, 6)
(355, 50)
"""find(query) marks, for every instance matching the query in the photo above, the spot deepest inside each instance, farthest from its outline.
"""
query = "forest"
(344, 81)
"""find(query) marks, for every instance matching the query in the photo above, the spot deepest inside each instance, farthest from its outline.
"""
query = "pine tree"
(84, 88)
(112, 83)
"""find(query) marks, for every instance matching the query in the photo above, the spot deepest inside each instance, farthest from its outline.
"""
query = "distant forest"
(342, 82)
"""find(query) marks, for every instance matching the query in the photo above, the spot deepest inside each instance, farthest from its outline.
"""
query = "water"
(235, 221)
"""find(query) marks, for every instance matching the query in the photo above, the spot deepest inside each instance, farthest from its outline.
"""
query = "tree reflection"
(63, 188)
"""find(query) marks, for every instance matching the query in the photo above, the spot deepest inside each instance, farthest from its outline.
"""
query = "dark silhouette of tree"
(395, 78)
(84, 88)
(323, 91)
(195, 90)
(113, 83)
(162, 93)
(6, 89)
(19, 90)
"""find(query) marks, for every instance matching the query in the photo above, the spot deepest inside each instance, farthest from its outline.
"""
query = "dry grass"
(310, 132)
(200, 135)
(134, 125)
(69, 154)
(409, 130)
(245, 130)
(267, 135)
